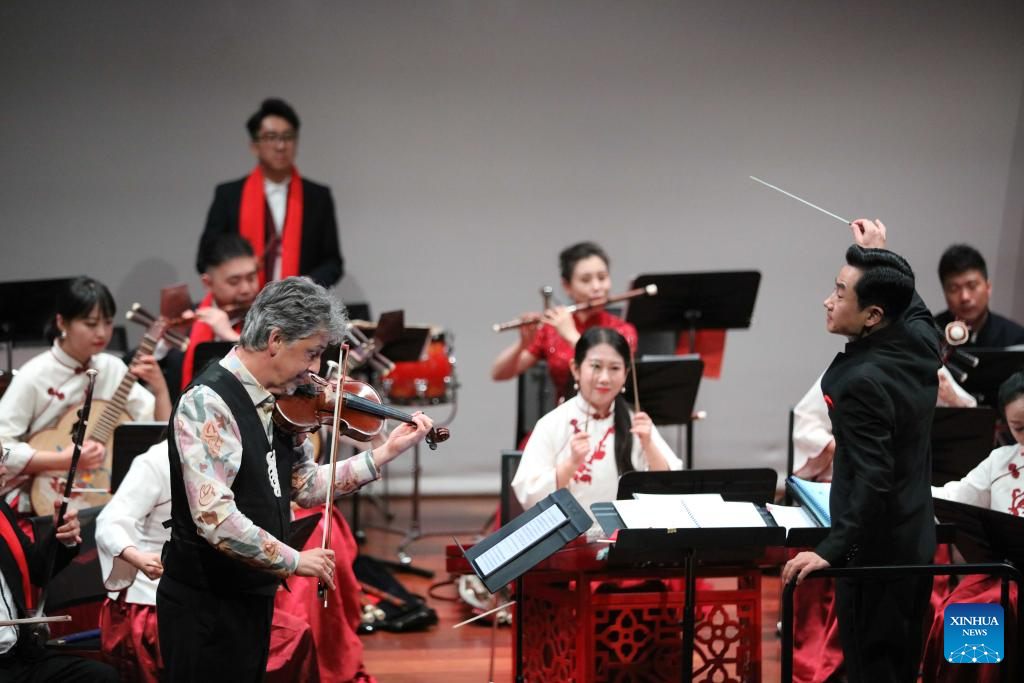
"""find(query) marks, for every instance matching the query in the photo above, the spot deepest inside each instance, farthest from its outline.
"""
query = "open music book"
(813, 496)
(686, 511)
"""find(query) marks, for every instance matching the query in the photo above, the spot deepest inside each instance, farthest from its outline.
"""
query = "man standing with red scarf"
(289, 220)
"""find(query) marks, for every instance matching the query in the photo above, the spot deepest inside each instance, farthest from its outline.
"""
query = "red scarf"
(10, 536)
(252, 223)
(201, 332)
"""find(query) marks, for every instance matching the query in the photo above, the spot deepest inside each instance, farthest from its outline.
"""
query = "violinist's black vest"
(189, 558)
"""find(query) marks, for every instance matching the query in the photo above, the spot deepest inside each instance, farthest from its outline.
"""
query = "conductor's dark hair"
(623, 423)
(570, 256)
(220, 249)
(272, 106)
(959, 259)
(78, 300)
(1010, 391)
(886, 280)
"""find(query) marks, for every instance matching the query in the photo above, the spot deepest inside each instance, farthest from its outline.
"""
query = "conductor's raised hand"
(402, 438)
(868, 233)
(317, 562)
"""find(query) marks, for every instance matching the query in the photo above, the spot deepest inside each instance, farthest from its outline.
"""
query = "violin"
(362, 412)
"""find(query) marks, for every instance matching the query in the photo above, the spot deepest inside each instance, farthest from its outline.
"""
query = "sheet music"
(686, 511)
(792, 517)
(654, 512)
(521, 539)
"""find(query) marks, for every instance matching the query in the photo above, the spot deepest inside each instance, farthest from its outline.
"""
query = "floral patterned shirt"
(210, 446)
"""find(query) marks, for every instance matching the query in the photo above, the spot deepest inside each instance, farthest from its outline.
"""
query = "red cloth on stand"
(710, 345)
(339, 651)
(252, 217)
(974, 588)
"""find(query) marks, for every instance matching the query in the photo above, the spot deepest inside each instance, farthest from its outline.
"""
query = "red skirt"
(339, 652)
(973, 588)
(130, 642)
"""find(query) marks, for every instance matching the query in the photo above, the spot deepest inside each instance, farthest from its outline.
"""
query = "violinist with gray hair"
(233, 476)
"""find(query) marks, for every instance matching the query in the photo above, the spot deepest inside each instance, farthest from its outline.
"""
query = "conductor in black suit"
(288, 219)
(880, 394)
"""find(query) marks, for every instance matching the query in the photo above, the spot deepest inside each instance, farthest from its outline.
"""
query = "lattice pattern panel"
(642, 643)
(549, 640)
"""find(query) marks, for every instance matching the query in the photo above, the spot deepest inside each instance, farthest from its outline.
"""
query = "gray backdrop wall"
(467, 142)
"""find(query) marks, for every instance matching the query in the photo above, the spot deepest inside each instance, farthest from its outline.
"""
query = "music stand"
(680, 547)
(132, 439)
(694, 301)
(668, 391)
(961, 438)
(994, 366)
(752, 485)
(26, 308)
(983, 535)
(208, 352)
(519, 545)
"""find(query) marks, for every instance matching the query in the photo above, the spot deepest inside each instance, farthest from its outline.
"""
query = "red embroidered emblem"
(53, 392)
(828, 402)
(1017, 503)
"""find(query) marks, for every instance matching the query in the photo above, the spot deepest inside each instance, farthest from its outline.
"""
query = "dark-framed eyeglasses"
(274, 138)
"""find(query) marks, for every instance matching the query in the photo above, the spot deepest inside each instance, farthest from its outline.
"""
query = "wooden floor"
(443, 654)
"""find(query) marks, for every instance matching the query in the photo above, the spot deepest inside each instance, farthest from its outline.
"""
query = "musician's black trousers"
(207, 637)
(880, 627)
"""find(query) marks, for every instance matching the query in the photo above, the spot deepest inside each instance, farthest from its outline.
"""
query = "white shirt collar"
(64, 358)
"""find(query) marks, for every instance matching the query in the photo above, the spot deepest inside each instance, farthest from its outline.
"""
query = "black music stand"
(517, 555)
(688, 547)
(695, 301)
(983, 535)
(994, 367)
(208, 352)
(26, 308)
(753, 485)
(132, 439)
(668, 391)
(961, 438)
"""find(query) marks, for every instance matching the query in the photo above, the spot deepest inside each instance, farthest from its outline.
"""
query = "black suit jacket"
(881, 396)
(36, 555)
(320, 257)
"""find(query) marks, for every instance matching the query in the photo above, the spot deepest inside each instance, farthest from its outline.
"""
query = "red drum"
(430, 380)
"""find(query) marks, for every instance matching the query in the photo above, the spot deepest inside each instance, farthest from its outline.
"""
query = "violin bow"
(321, 586)
(78, 438)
